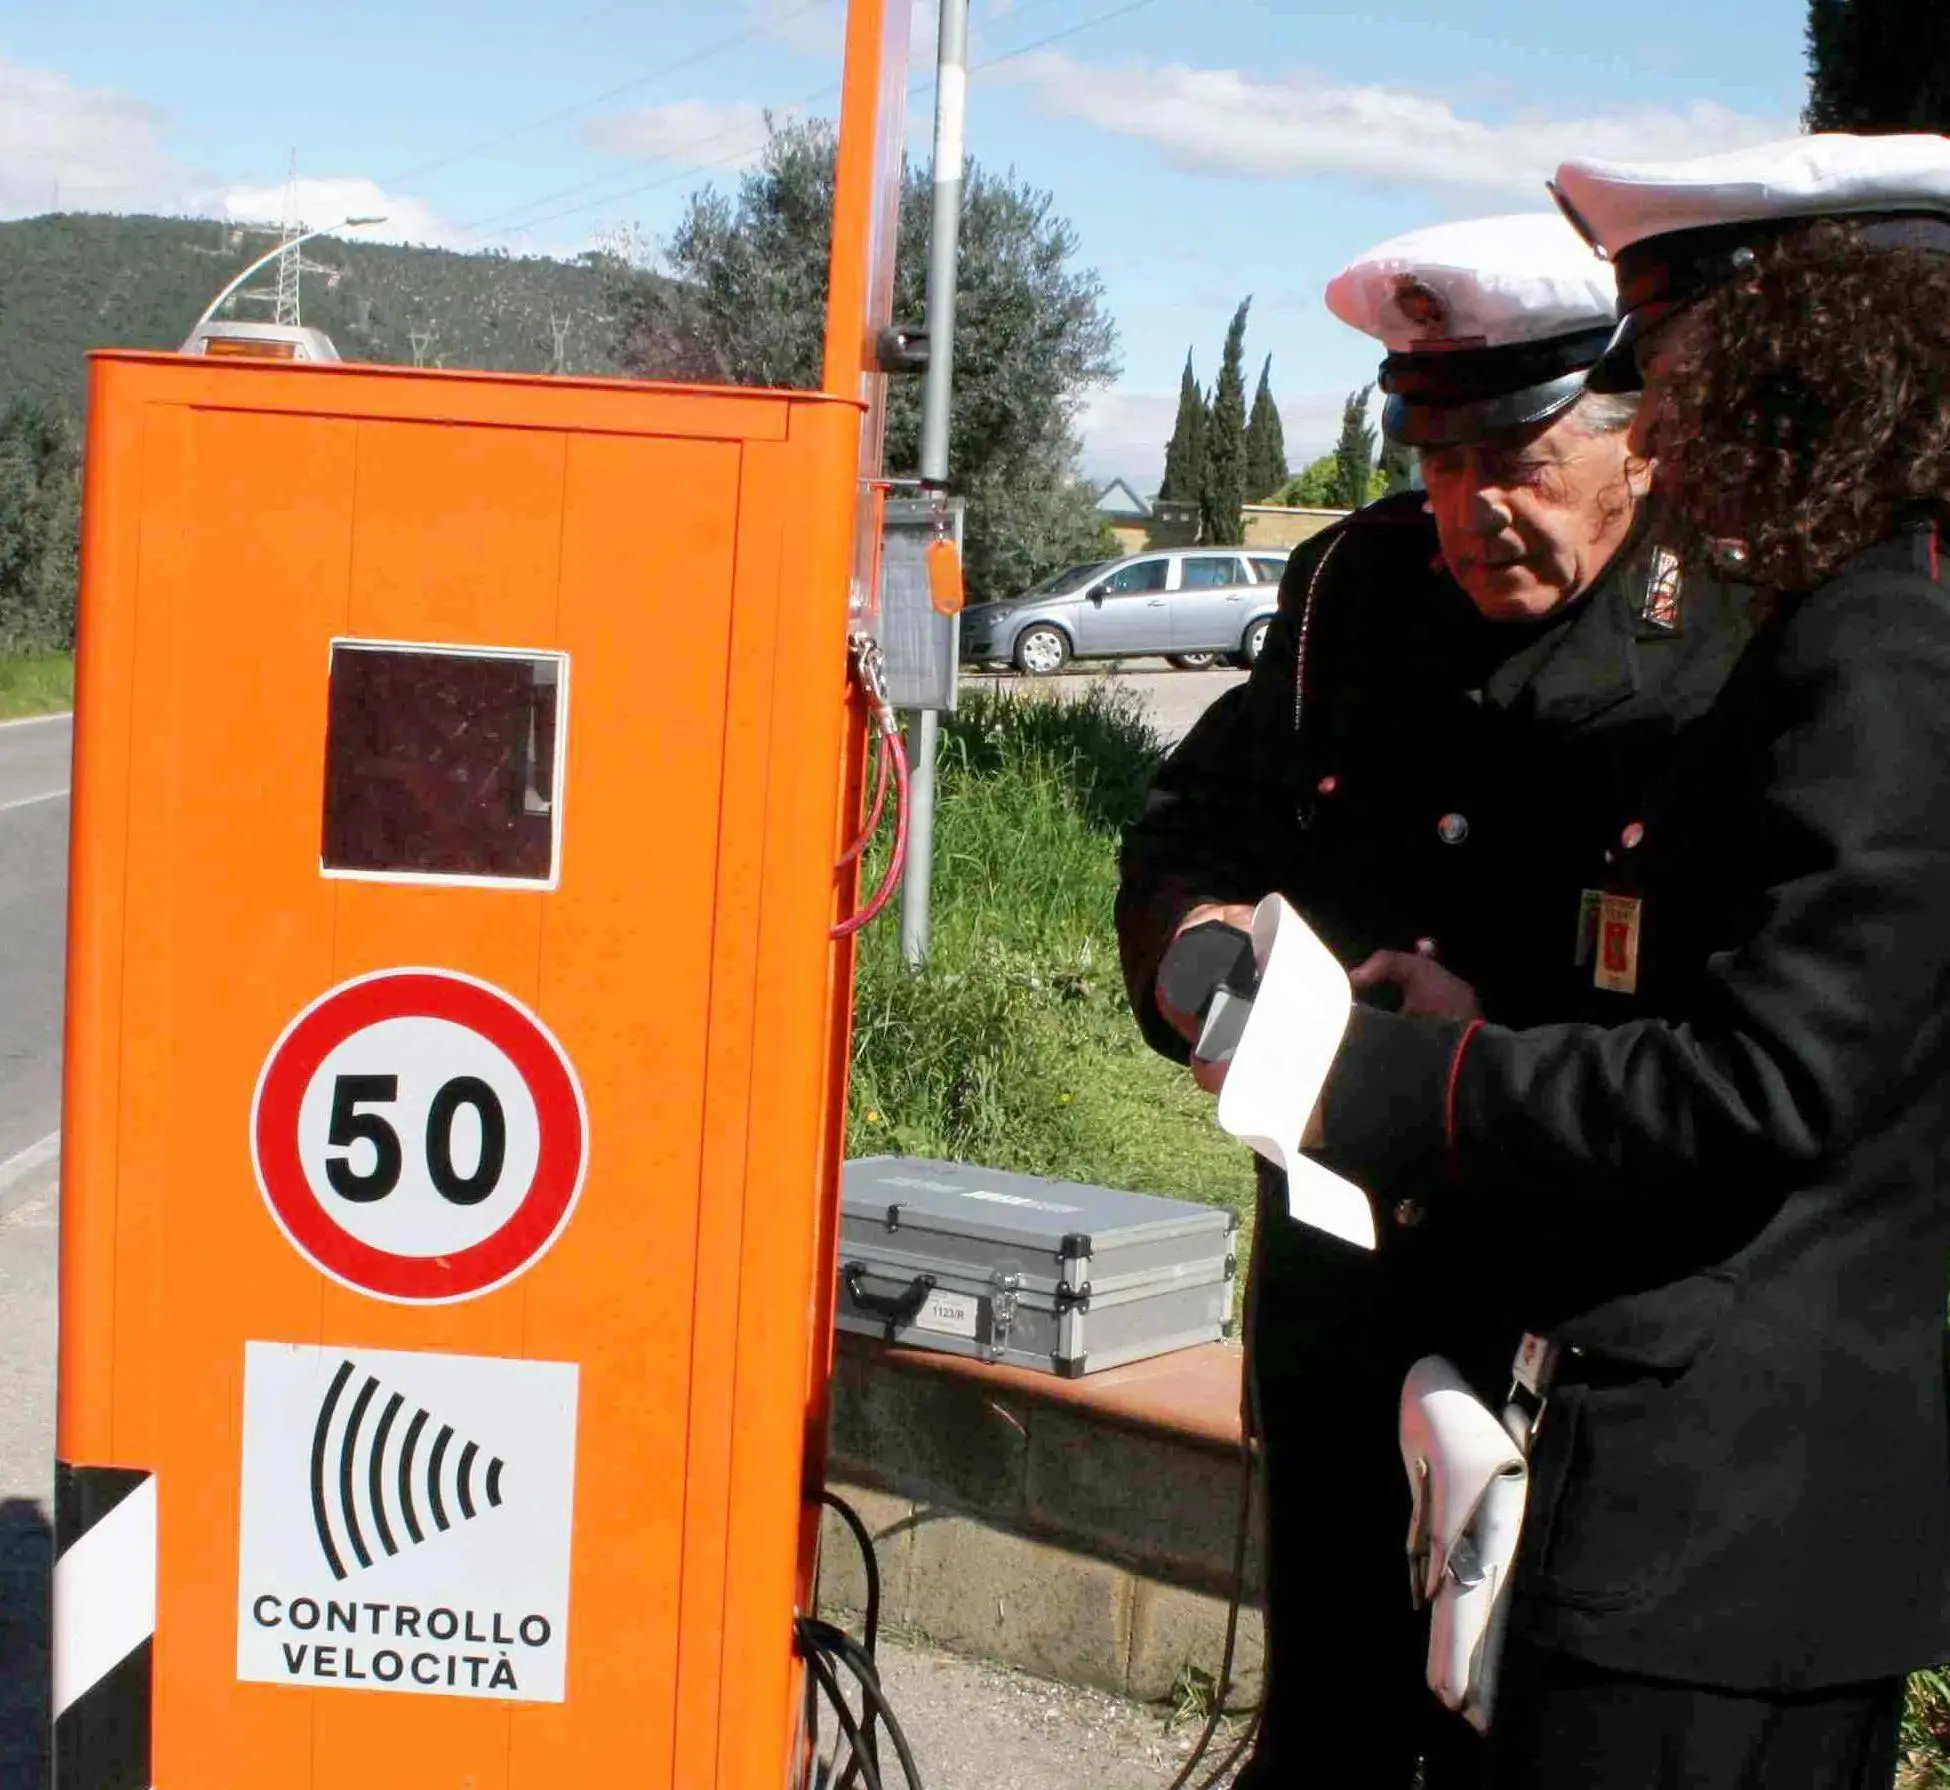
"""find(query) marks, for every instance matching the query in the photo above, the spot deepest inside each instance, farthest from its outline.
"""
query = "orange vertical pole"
(866, 196)
(866, 223)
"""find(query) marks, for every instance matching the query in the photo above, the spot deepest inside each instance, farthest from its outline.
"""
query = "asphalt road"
(33, 888)
(33, 884)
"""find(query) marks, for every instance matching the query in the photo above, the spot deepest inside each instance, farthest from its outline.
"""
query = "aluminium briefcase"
(1049, 1275)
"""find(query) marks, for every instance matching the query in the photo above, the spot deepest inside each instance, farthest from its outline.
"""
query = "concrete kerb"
(974, 1587)
(1064, 1541)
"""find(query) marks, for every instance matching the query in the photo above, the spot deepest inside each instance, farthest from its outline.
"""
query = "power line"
(681, 149)
(1102, 18)
(757, 28)
(825, 92)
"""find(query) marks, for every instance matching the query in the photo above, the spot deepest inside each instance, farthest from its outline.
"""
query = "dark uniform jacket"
(1735, 1204)
(1401, 769)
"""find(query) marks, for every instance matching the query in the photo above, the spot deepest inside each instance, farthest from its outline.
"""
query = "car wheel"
(1194, 661)
(1255, 642)
(1041, 650)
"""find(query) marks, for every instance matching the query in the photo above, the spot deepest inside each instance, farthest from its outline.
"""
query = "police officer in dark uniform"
(1444, 737)
(1735, 1191)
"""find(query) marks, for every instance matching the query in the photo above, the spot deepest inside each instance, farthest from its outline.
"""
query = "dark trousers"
(1347, 1704)
(1564, 1725)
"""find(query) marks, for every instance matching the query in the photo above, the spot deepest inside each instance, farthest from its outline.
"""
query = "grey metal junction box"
(1050, 1275)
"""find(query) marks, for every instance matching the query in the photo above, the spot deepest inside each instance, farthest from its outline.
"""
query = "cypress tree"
(1354, 452)
(1265, 442)
(1222, 494)
(1397, 466)
(1185, 452)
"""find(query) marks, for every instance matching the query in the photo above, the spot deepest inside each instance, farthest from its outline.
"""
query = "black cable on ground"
(1239, 1750)
(851, 1518)
(817, 1666)
(870, 1746)
(823, 1638)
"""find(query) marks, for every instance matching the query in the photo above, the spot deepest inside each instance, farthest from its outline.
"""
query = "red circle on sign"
(544, 1210)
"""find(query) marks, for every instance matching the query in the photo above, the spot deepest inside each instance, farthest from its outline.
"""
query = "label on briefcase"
(949, 1314)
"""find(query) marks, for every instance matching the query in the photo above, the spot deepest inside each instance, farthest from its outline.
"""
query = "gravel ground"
(976, 1726)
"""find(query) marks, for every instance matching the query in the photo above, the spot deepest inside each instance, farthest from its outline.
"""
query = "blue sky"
(1202, 151)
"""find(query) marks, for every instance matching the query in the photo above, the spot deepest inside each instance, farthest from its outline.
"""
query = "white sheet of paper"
(1281, 1064)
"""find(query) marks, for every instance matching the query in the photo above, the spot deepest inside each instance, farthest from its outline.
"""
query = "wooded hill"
(72, 282)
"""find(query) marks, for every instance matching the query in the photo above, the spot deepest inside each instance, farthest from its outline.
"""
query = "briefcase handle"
(894, 1308)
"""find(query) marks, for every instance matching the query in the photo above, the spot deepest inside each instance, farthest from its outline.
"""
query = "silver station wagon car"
(1191, 605)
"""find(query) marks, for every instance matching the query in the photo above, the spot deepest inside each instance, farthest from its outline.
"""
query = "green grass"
(39, 685)
(1926, 1734)
(1015, 1048)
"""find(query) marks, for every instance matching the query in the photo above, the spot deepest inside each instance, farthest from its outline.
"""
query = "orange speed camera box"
(452, 1076)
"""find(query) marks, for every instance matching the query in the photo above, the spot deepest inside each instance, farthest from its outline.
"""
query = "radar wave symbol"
(399, 1483)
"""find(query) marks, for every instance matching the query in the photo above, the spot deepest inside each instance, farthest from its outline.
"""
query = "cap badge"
(1659, 608)
(1422, 305)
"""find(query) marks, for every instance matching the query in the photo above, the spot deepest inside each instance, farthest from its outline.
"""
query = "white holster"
(1468, 1478)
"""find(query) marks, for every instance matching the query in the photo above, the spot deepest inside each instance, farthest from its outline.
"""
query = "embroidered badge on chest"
(1659, 607)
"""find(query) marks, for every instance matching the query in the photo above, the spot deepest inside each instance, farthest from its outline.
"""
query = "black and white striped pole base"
(104, 1626)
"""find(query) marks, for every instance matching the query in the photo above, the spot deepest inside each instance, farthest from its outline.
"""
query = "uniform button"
(1408, 1213)
(1328, 784)
(1452, 829)
(1632, 835)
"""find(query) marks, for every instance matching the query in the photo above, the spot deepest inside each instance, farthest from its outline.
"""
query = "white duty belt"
(1468, 1475)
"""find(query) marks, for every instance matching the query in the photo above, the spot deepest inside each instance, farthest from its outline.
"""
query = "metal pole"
(944, 242)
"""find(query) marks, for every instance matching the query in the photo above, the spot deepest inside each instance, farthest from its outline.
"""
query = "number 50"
(350, 1126)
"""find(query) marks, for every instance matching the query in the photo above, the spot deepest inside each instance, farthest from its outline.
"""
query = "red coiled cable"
(892, 748)
(882, 760)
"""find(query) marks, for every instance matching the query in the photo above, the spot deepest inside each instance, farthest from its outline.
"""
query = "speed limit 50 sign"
(419, 1135)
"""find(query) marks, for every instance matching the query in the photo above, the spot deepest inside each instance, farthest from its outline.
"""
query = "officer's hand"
(1239, 914)
(1425, 987)
(1209, 1076)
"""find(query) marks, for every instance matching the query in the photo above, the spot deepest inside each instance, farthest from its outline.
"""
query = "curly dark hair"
(1805, 409)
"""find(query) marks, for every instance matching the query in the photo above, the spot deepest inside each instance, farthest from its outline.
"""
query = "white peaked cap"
(1490, 325)
(1675, 230)
(1487, 283)
(1829, 175)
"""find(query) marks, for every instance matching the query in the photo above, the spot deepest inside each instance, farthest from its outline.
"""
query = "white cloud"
(1223, 121)
(1124, 435)
(1124, 432)
(817, 28)
(693, 133)
(78, 148)
(323, 201)
(812, 28)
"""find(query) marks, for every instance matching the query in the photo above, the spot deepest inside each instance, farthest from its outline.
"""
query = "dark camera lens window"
(442, 763)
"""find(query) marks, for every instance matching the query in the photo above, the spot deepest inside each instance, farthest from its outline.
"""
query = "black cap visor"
(1662, 275)
(1441, 397)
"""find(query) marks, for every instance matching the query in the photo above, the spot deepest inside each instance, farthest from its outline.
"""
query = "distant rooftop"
(1120, 500)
